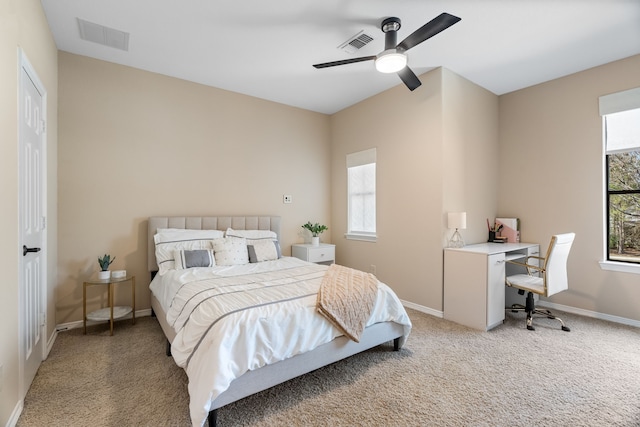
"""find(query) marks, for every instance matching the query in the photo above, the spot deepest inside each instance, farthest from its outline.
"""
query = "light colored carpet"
(446, 375)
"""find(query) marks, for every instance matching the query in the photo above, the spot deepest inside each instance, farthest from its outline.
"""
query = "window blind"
(622, 131)
(621, 120)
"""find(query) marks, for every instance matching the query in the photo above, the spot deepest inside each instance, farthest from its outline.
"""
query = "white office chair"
(551, 278)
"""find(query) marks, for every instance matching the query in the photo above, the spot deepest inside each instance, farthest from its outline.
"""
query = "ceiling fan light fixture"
(390, 61)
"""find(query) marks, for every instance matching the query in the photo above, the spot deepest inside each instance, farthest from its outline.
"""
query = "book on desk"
(509, 230)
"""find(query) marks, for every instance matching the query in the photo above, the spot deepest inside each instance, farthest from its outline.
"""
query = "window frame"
(361, 158)
(610, 104)
(608, 194)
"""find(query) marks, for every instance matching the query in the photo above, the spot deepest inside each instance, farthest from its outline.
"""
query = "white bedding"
(232, 319)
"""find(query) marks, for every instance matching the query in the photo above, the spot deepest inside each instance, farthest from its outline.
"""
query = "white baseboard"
(50, 342)
(79, 324)
(414, 306)
(589, 313)
(566, 308)
(13, 419)
(422, 308)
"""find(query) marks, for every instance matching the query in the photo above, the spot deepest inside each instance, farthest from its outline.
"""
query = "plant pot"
(315, 241)
(105, 274)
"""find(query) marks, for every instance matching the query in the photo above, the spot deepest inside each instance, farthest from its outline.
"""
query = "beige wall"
(22, 25)
(551, 176)
(432, 146)
(134, 144)
(470, 162)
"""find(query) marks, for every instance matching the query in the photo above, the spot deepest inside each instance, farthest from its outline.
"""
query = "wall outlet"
(372, 269)
(287, 198)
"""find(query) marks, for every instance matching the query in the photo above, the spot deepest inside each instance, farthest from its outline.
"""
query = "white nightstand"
(324, 253)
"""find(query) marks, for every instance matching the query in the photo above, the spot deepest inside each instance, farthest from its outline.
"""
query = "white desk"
(474, 281)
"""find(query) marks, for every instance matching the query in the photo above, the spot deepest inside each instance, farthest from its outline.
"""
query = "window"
(361, 191)
(621, 124)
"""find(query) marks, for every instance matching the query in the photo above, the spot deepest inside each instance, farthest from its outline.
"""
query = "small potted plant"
(315, 229)
(105, 262)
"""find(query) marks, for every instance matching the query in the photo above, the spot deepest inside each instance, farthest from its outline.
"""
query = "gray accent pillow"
(194, 258)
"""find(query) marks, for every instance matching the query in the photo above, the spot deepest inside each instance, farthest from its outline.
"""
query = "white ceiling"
(266, 48)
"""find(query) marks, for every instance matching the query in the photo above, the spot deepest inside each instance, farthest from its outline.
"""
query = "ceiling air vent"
(100, 34)
(357, 42)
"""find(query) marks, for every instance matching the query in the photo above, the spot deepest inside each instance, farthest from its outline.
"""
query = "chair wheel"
(531, 328)
(566, 329)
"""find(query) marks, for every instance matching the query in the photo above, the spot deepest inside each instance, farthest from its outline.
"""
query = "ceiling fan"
(393, 58)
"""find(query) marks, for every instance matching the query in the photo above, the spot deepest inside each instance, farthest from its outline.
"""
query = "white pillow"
(252, 234)
(194, 258)
(262, 245)
(263, 250)
(230, 251)
(170, 240)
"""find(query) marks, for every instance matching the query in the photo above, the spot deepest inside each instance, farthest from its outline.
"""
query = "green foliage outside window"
(624, 206)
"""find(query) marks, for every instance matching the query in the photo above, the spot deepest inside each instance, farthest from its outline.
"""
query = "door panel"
(32, 225)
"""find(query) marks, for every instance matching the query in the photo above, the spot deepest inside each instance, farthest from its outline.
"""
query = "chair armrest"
(528, 266)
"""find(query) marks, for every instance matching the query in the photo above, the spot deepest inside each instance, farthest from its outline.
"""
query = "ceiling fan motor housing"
(390, 27)
(391, 60)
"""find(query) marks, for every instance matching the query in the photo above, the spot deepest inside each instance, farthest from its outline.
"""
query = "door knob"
(26, 250)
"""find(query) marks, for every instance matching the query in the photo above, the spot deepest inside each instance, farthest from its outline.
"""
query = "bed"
(218, 353)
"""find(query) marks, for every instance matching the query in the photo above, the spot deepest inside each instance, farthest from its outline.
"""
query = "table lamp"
(457, 220)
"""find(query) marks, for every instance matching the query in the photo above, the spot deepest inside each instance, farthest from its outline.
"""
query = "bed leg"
(396, 344)
(213, 418)
(168, 348)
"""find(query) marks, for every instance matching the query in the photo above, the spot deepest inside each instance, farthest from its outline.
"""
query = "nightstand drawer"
(322, 254)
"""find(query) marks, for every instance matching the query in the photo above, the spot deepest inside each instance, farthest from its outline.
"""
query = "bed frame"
(270, 375)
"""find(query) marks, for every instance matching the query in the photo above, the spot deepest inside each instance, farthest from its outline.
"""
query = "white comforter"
(229, 320)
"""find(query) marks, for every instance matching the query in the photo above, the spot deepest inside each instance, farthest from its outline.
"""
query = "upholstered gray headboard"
(207, 223)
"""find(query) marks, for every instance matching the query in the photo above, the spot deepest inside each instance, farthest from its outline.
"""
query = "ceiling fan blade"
(344, 62)
(428, 30)
(409, 78)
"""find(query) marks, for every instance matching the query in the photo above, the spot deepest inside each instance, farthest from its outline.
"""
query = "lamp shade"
(457, 220)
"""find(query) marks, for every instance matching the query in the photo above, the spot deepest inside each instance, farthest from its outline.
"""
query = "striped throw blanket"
(346, 298)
